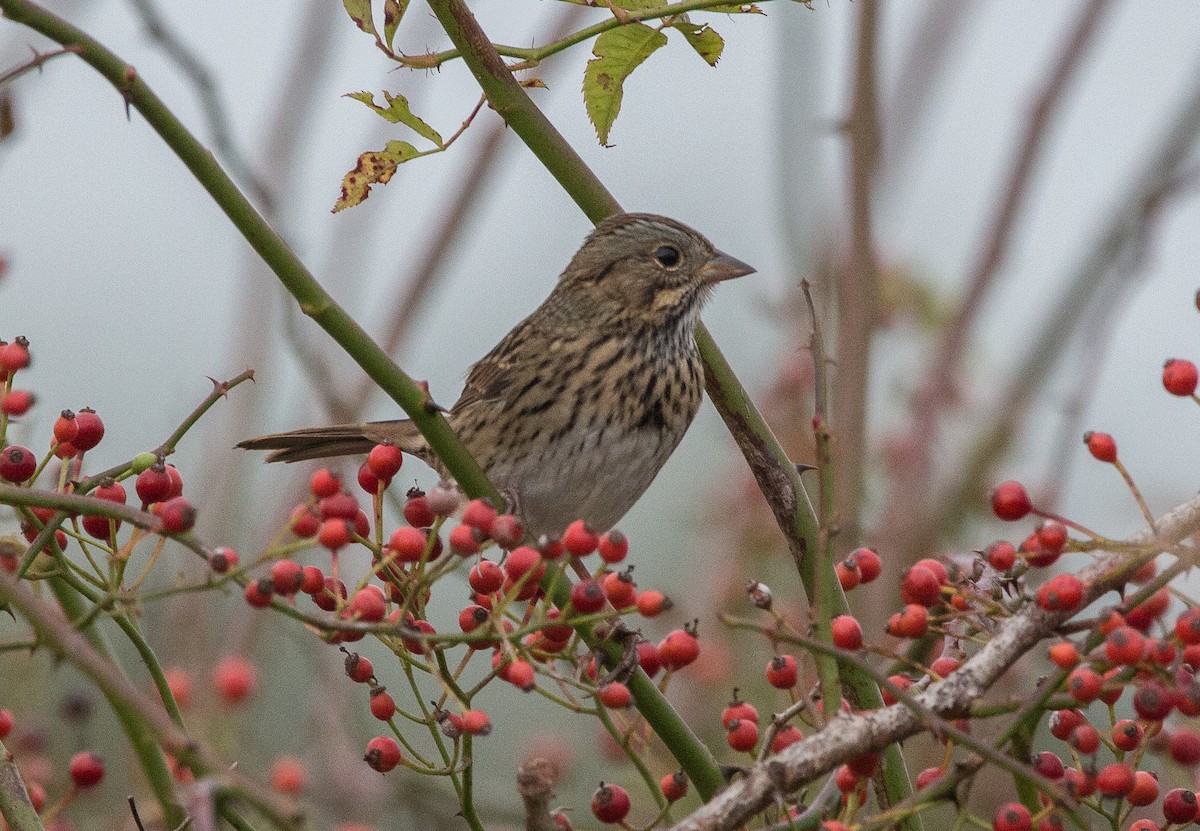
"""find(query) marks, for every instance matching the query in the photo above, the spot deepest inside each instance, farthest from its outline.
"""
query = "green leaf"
(397, 112)
(393, 10)
(618, 52)
(703, 38)
(360, 13)
(374, 167)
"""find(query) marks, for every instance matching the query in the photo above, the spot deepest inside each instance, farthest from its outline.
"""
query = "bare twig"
(849, 736)
(15, 806)
(535, 784)
(38, 60)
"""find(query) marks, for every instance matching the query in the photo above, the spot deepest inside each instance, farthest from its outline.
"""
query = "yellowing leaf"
(393, 10)
(704, 39)
(618, 52)
(397, 112)
(374, 167)
(360, 13)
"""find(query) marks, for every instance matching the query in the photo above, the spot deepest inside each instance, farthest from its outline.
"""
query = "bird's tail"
(338, 440)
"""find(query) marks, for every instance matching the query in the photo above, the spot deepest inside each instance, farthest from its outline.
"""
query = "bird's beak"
(723, 267)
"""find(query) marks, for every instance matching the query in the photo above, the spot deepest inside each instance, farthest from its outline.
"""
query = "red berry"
(652, 602)
(1052, 536)
(1101, 445)
(17, 463)
(222, 560)
(610, 803)
(65, 427)
(738, 710)
(1001, 555)
(1184, 747)
(383, 753)
(869, 564)
(1063, 722)
(1010, 502)
(620, 589)
(507, 531)
(1083, 684)
(1064, 654)
(324, 483)
(920, 585)
(1187, 626)
(334, 534)
(177, 515)
(153, 484)
(579, 539)
(678, 649)
(1124, 646)
(17, 402)
(486, 577)
(340, 505)
(1013, 816)
(476, 722)
(359, 669)
(613, 547)
(288, 775)
(407, 544)
(87, 769)
(847, 634)
(14, 356)
(1154, 702)
(287, 576)
(6, 723)
(674, 786)
(848, 574)
(385, 461)
(1144, 790)
(479, 515)
(368, 604)
(520, 561)
(235, 679)
(258, 593)
(416, 510)
(443, 500)
(1085, 739)
(312, 580)
(782, 672)
(1061, 593)
(614, 695)
(587, 596)
(1126, 734)
(1149, 610)
(89, 429)
(383, 707)
(909, 623)
(1048, 765)
(1179, 377)
(786, 737)
(465, 539)
(176, 488)
(520, 674)
(742, 735)
(369, 482)
(648, 658)
(1179, 806)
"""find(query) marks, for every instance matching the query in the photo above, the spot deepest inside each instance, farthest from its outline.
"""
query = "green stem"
(535, 55)
(15, 806)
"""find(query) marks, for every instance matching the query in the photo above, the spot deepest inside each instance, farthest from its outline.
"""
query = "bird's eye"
(667, 256)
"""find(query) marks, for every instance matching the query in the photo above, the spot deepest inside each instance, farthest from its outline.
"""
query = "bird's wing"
(495, 373)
